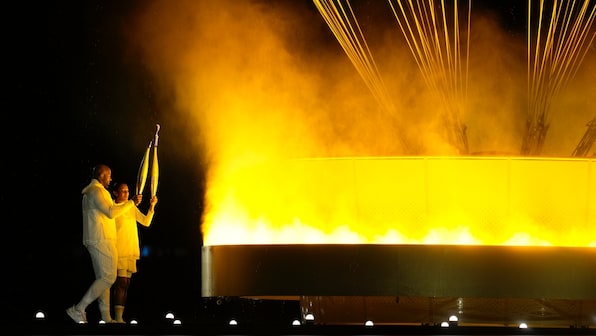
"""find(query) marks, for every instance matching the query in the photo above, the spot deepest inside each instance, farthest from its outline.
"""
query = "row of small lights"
(453, 321)
(308, 318)
(40, 315)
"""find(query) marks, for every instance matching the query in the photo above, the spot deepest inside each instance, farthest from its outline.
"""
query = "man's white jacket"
(99, 212)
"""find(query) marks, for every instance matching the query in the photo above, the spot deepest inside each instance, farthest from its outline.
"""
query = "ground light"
(233, 322)
(296, 323)
(523, 325)
(369, 323)
(40, 315)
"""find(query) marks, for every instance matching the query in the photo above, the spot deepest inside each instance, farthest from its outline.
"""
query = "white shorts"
(127, 266)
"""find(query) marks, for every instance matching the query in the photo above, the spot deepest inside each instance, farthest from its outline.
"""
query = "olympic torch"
(143, 169)
(155, 165)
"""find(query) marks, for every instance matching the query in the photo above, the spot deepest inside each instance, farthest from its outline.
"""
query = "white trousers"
(104, 257)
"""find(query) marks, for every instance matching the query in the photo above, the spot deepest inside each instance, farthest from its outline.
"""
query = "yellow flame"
(416, 200)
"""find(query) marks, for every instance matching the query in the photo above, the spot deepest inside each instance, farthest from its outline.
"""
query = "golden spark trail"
(576, 47)
(343, 23)
(438, 55)
(554, 58)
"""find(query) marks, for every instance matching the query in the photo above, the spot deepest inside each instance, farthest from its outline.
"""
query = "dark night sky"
(71, 93)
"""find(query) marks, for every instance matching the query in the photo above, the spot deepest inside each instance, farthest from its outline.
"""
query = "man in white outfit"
(99, 237)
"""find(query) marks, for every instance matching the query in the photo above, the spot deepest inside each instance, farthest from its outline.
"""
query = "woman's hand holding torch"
(137, 199)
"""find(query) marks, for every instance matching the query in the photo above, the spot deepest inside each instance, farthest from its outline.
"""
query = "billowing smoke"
(259, 80)
(253, 74)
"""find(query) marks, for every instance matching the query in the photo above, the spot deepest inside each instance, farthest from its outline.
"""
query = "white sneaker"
(77, 316)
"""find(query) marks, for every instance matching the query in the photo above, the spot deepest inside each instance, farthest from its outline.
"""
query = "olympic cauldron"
(493, 240)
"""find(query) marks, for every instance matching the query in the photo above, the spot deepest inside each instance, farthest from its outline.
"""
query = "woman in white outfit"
(127, 245)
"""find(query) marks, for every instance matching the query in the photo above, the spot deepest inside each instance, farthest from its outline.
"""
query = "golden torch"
(155, 165)
(143, 169)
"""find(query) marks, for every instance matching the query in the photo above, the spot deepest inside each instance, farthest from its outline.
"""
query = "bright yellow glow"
(256, 84)
(405, 200)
